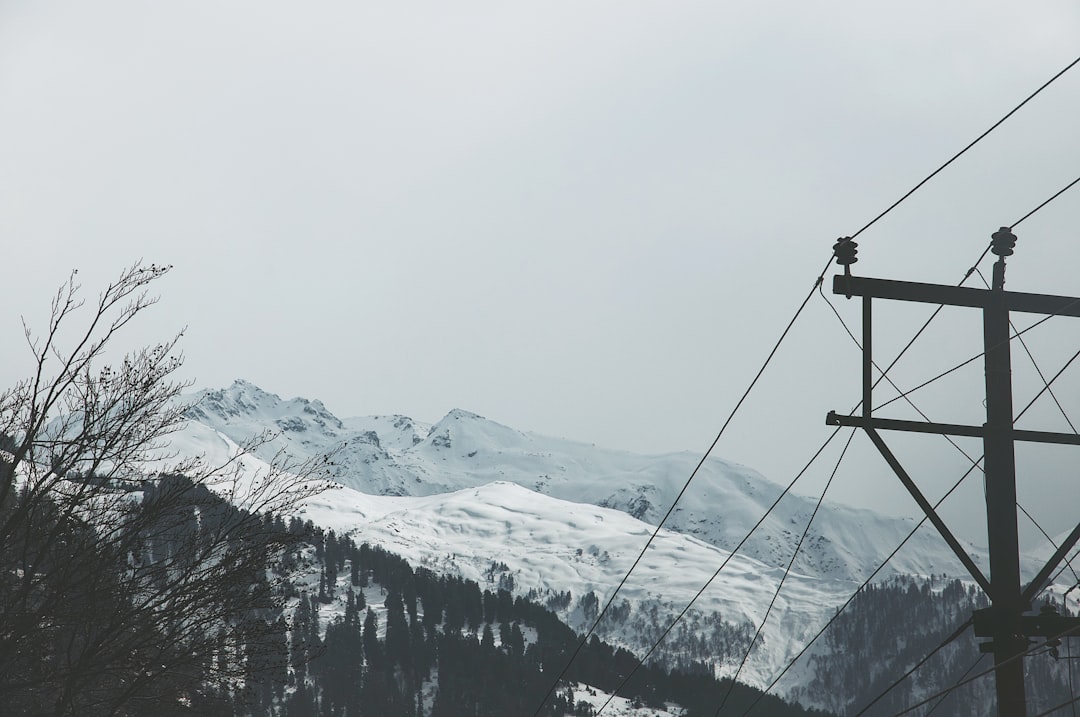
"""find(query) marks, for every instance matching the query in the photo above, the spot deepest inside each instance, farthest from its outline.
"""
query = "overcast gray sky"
(585, 219)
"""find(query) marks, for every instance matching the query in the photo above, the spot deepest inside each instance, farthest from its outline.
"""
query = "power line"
(686, 485)
(962, 677)
(906, 394)
(974, 268)
(941, 646)
(1019, 656)
(768, 360)
(641, 661)
(884, 373)
(960, 365)
(975, 464)
(1068, 654)
(1035, 364)
(1052, 198)
(787, 571)
(884, 376)
(851, 599)
(1047, 386)
(1046, 535)
(1067, 566)
(1063, 705)
(969, 146)
(788, 488)
(671, 626)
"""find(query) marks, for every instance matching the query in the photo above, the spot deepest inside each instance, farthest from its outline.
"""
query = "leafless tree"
(132, 581)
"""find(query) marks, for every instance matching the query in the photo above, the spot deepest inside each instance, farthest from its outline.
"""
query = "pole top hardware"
(1002, 242)
(845, 250)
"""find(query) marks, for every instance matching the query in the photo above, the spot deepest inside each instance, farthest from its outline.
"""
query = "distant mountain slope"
(395, 455)
(558, 520)
(503, 534)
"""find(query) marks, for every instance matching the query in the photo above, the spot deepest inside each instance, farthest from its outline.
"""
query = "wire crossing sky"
(585, 220)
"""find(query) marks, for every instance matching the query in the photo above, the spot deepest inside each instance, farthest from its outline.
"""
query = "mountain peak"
(243, 401)
(459, 414)
(472, 432)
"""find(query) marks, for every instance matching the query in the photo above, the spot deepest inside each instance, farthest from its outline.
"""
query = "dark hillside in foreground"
(195, 607)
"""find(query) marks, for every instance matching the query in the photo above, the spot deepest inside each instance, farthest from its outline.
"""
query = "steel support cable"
(1038, 370)
(964, 363)
(884, 373)
(1067, 566)
(938, 170)
(1046, 387)
(941, 646)
(956, 156)
(1034, 363)
(715, 574)
(742, 542)
(974, 464)
(1016, 334)
(926, 324)
(1050, 540)
(1058, 575)
(787, 572)
(610, 601)
(686, 485)
(962, 677)
(896, 388)
(923, 328)
(671, 626)
(855, 594)
(883, 376)
(941, 500)
(1057, 194)
(1072, 692)
(974, 268)
(905, 395)
(1062, 706)
(772, 353)
(1019, 656)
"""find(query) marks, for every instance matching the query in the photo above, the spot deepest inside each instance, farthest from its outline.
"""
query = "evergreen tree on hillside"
(125, 590)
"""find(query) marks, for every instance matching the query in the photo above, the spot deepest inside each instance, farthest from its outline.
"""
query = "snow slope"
(394, 455)
(471, 497)
(549, 546)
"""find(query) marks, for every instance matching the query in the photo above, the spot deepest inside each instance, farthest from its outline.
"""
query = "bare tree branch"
(129, 575)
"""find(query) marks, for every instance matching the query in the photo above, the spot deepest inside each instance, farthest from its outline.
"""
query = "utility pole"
(999, 461)
(1004, 622)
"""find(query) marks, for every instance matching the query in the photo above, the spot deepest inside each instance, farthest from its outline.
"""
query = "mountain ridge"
(563, 521)
(398, 456)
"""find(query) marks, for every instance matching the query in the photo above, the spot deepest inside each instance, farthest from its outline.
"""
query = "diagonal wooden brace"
(928, 510)
(1039, 581)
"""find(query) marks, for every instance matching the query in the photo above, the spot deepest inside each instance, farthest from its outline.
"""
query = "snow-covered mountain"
(563, 521)
(501, 534)
(397, 456)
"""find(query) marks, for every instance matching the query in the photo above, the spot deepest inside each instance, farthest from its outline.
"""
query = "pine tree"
(373, 651)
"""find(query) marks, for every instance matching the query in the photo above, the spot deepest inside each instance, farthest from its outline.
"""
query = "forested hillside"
(404, 641)
(194, 606)
(889, 628)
